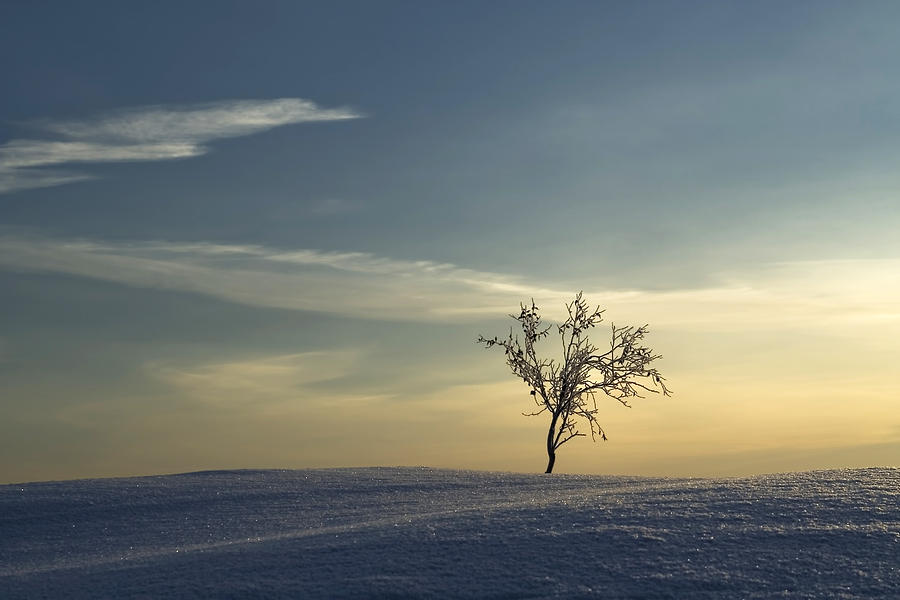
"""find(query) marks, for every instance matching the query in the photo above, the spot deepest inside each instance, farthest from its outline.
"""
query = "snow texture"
(424, 533)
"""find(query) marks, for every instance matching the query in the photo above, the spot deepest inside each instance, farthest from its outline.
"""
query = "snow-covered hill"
(417, 532)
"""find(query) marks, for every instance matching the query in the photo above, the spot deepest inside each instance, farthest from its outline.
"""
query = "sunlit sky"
(240, 235)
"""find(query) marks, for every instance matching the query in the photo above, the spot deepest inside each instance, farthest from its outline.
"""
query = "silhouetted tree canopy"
(567, 389)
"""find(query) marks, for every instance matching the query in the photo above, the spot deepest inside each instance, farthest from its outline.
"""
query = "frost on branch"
(567, 388)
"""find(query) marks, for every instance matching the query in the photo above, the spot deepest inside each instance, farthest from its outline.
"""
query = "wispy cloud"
(12, 179)
(146, 134)
(363, 285)
(263, 382)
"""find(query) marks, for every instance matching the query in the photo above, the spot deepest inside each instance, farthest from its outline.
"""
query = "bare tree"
(568, 389)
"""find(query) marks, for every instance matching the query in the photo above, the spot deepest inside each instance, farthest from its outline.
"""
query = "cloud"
(364, 285)
(281, 386)
(146, 134)
(350, 283)
(13, 179)
(257, 380)
(30, 153)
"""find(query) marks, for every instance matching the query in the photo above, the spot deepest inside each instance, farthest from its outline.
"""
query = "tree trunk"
(551, 446)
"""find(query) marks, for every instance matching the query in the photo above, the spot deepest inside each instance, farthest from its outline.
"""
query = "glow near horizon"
(758, 378)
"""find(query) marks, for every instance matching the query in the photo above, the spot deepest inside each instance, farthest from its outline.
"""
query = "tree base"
(550, 464)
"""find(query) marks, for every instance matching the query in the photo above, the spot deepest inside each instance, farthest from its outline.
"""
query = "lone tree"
(568, 389)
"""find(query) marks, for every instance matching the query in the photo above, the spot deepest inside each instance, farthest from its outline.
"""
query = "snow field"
(424, 533)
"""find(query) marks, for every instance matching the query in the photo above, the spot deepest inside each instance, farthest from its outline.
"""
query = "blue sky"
(222, 221)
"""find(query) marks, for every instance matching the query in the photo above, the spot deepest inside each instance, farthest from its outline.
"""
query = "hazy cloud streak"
(362, 285)
(146, 134)
(256, 381)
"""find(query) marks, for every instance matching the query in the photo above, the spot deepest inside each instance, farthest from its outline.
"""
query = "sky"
(267, 235)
